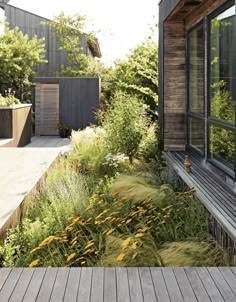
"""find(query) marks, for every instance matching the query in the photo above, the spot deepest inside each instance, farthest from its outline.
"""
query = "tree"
(137, 75)
(70, 32)
(19, 55)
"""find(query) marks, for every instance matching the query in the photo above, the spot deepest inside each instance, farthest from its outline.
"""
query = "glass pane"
(196, 70)
(223, 62)
(222, 145)
(196, 134)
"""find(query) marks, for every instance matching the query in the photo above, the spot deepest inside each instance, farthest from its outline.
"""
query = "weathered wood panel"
(15, 123)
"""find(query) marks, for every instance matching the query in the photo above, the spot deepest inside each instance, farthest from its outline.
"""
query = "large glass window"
(196, 134)
(196, 69)
(223, 66)
(222, 146)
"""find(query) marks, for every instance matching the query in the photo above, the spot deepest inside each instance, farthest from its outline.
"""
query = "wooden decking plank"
(72, 285)
(172, 285)
(206, 179)
(110, 285)
(22, 285)
(229, 277)
(222, 285)
(9, 286)
(47, 285)
(34, 285)
(4, 273)
(148, 290)
(159, 285)
(184, 285)
(197, 285)
(136, 294)
(209, 285)
(85, 284)
(123, 294)
(214, 208)
(97, 285)
(210, 183)
(59, 287)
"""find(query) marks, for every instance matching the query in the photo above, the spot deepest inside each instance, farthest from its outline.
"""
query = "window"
(223, 66)
(196, 134)
(196, 69)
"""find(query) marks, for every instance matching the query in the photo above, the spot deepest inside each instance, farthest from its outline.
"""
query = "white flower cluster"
(114, 160)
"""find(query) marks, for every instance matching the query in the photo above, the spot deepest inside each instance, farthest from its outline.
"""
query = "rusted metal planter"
(15, 125)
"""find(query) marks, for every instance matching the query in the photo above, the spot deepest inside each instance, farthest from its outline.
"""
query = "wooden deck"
(118, 284)
(20, 171)
(217, 197)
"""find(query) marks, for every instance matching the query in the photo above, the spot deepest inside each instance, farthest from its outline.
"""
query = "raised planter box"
(15, 125)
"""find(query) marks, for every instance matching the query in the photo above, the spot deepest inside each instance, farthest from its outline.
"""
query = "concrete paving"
(20, 171)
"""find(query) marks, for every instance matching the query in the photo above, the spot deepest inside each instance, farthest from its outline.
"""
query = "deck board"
(118, 284)
(216, 196)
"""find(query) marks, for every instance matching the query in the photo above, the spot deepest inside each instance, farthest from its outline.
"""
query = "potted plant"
(64, 130)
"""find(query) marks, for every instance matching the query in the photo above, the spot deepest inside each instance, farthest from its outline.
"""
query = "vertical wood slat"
(136, 294)
(147, 285)
(85, 284)
(47, 285)
(34, 285)
(97, 285)
(122, 285)
(72, 285)
(49, 109)
(110, 285)
(60, 285)
(172, 285)
(22, 285)
(9, 286)
(159, 285)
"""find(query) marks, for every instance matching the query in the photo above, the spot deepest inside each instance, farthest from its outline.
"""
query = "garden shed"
(69, 101)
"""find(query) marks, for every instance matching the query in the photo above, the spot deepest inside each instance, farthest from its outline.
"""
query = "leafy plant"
(19, 55)
(124, 125)
(9, 99)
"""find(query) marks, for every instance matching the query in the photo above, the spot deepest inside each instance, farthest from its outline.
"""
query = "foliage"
(70, 32)
(9, 99)
(64, 130)
(193, 254)
(137, 75)
(124, 229)
(63, 195)
(124, 125)
(19, 55)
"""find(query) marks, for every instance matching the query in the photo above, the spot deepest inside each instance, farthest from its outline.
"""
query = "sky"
(120, 25)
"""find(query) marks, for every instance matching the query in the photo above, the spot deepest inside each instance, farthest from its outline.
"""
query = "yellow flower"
(134, 255)
(36, 249)
(139, 235)
(134, 245)
(120, 257)
(110, 232)
(34, 263)
(126, 242)
(128, 221)
(89, 245)
(70, 257)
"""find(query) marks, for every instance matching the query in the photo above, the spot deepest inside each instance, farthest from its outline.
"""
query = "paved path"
(20, 171)
(118, 284)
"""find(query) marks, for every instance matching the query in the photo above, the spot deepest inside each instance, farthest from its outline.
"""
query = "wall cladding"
(176, 17)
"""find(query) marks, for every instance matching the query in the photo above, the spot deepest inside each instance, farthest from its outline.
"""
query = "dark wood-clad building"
(32, 24)
(197, 99)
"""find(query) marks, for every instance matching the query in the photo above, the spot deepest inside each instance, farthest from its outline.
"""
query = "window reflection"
(222, 145)
(196, 70)
(223, 62)
(196, 134)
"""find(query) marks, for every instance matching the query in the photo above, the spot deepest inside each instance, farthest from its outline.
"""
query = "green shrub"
(63, 195)
(192, 254)
(126, 228)
(125, 125)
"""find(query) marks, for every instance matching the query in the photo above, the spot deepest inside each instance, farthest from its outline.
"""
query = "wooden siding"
(31, 25)
(176, 18)
(78, 101)
(47, 109)
(15, 123)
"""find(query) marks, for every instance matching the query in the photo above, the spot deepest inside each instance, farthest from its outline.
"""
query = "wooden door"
(49, 109)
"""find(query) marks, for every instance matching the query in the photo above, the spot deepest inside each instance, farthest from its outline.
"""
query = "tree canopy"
(19, 55)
